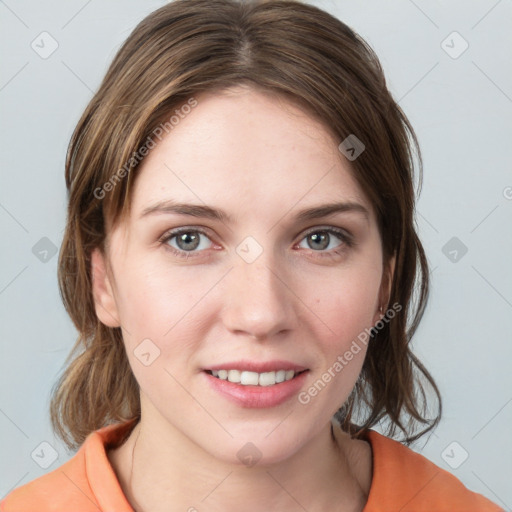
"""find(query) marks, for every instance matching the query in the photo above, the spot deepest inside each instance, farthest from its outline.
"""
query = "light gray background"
(461, 109)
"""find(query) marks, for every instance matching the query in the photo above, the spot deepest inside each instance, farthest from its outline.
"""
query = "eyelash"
(346, 239)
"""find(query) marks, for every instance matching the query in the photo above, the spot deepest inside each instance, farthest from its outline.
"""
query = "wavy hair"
(283, 47)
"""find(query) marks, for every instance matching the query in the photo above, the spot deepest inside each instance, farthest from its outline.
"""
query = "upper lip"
(258, 367)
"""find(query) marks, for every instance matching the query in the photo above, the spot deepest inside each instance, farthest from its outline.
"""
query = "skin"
(261, 160)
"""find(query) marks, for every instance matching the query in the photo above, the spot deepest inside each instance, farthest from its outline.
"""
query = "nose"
(257, 300)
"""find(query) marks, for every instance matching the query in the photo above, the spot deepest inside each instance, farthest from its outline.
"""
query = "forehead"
(247, 151)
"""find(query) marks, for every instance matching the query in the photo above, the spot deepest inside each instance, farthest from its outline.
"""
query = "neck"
(159, 470)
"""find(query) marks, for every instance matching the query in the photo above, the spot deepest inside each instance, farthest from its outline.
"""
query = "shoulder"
(65, 486)
(407, 481)
(85, 483)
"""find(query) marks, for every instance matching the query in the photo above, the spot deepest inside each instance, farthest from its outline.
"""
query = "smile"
(248, 378)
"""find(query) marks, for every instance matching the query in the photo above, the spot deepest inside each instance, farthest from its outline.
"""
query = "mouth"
(251, 378)
(252, 384)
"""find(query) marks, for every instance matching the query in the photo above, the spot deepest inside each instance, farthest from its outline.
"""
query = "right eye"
(184, 241)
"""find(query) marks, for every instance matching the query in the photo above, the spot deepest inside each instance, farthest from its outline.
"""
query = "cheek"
(158, 302)
(172, 307)
(162, 326)
(346, 308)
(346, 304)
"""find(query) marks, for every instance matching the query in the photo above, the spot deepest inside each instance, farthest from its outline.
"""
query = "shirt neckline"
(100, 473)
(110, 496)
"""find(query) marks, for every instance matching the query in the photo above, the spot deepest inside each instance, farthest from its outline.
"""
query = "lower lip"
(257, 397)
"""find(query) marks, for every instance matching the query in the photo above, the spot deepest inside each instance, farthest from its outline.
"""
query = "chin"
(271, 443)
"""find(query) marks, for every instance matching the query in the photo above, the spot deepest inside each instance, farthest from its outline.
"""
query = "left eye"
(321, 240)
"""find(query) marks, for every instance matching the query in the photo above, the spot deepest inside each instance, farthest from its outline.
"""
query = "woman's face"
(259, 284)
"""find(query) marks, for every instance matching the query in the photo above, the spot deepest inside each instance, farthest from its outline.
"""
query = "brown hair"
(300, 53)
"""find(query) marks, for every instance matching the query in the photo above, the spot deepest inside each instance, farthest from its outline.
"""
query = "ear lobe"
(385, 287)
(104, 300)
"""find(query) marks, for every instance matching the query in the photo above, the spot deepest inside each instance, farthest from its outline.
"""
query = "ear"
(104, 299)
(385, 287)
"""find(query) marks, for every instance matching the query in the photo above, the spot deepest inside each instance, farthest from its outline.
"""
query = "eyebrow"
(207, 212)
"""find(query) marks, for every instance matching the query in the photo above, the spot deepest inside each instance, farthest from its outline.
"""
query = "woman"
(239, 260)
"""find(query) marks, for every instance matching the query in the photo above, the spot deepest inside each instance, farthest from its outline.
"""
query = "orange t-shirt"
(402, 481)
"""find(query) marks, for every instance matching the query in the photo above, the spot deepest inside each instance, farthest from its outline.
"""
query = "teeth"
(267, 379)
(234, 376)
(249, 378)
(253, 378)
